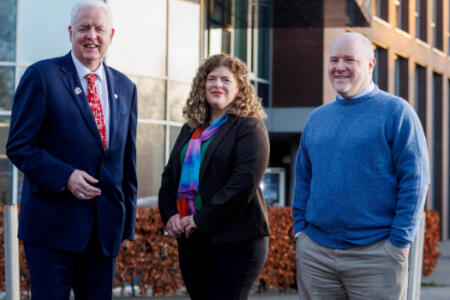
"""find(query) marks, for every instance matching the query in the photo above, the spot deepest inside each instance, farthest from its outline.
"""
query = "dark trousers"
(221, 271)
(54, 272)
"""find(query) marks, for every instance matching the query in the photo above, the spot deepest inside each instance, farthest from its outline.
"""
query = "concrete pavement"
(437, 285)
(434, 287)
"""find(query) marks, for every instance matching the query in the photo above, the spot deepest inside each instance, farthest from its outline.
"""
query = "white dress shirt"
(100, 85)
(364, 92)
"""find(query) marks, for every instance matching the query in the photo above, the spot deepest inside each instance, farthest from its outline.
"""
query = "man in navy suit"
(73, 133)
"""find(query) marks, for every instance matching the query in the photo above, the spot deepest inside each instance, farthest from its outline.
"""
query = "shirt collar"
(364, 92)
(83, 71)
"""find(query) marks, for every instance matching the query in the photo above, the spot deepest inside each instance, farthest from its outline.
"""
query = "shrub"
(151, 261)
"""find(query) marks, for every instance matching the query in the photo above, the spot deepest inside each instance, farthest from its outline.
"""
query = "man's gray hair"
(366, 44)
(86, 3)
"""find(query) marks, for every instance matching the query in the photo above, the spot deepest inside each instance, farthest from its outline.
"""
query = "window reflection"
(174, 131)
(240, 29)
(151, 97)
(219, 25)
(139, 45)
(6, 87)
(150, 158)
(420, 93)
(8, 30)
(178, 94)
(401, 77)
(184, 39)
(264, 42)
(263, 93)
(44, 34)
(5, 166)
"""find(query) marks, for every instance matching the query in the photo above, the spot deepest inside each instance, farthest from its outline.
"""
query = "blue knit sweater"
(362, 172)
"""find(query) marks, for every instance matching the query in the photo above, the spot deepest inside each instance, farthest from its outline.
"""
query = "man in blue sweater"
(362, 175)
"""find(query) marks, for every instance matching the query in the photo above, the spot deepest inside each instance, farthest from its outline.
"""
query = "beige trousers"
(377, 271)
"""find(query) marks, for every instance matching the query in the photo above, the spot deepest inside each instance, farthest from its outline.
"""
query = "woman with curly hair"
(210, 197)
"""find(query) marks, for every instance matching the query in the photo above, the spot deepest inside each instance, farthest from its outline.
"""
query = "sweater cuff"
(398, 242)
(298, 228)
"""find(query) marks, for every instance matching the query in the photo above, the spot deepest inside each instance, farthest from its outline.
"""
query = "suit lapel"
(114, 104)
(218, 137)
(73, 85)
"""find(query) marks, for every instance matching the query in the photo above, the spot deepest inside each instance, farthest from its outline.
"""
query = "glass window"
(150, 158)
(253, 34)
(151, 97)
(420, 94)
(240, 29)
(398, 13)
(380, 72)
(448, 137)
(173, 135)
(8, 30)
(401, 77)
(219, 41)
(44, 34)
(437, 142)
(437, 24)
(263, 93)
(219, 24)
(405, 15)
(376, 71)
(402, 14)
(448, 50)
(264, 43)
(139, 44)
(184, 39)
(421, 19)
(6, 87)
(5, 166)
(21, 71)
(178, 94)
(381, 9)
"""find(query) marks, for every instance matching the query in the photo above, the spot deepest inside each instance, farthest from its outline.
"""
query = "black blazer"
(232, 168)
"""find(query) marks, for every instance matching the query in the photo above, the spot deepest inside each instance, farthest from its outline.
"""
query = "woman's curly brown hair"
(245, 104)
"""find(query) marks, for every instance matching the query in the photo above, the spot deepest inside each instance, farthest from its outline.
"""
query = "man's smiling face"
(350, 67)
(90, 35)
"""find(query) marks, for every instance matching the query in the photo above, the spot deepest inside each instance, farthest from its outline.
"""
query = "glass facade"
(438, 24)
(8, 14)
(6, 87)
(8, 67)
(437, 143)
(139, 47)
(421, 19)
(44, 34)
(420, 94)
(401, 77)
(5, 166)
(158, 44)
(380, 72)
(380, 8)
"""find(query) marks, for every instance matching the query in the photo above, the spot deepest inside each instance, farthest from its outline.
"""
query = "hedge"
(431, 243)
(151, 261)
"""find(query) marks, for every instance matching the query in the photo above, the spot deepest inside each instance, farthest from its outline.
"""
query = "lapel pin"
(116, 97)
(77, 90)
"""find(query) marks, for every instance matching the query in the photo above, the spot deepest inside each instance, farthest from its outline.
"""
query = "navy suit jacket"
(53, 132)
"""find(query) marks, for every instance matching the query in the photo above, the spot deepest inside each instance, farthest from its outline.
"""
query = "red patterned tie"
(96, 107)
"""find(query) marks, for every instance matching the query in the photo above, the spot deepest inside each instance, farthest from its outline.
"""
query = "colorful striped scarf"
(190, 173)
